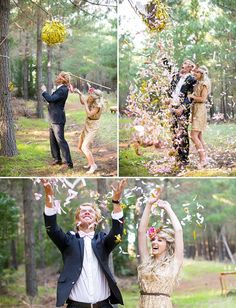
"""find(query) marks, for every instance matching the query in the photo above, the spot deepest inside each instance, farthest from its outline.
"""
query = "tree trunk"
(219, 246)
(30, 265)
(7, 134)
(139, 208)
(40, 232)
(26, 68)
(39, 80)
(59, 60)
(14, 263)
(226, 245)
(49, 70)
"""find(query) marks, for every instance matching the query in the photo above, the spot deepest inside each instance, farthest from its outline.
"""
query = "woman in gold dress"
(199, 112)
(159, 269)
(93, 106)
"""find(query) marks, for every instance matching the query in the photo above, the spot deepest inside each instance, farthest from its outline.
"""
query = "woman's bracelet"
(115, 201)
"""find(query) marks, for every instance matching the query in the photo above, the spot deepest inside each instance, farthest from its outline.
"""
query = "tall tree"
(7, 134)
(30, 263)
(39, 66)
(26, 67)
(49, 70)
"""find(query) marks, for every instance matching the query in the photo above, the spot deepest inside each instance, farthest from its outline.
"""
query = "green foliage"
(90, 42)
(9, 216)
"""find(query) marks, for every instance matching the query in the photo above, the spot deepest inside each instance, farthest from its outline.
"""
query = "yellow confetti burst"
(53, 32)
(156, 19)
(11, 86)
(117, 238)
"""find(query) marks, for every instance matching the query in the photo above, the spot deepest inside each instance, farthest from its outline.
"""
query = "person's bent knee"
(84, 148)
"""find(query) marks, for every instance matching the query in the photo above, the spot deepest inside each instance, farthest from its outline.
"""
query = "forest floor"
(32, 135)
(199, 287)
(221, 151)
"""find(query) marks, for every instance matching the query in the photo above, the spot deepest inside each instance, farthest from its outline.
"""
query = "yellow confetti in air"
(123, 206)
(117, 238)
(53, 32)
(156, 191)
(156, 19)
(11, 86)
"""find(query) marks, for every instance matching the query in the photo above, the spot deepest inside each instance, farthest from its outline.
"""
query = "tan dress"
(91, 125)
(199, 111)
(161, 279)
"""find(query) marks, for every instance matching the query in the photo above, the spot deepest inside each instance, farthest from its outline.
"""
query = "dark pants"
(180, 138)
(58, 144)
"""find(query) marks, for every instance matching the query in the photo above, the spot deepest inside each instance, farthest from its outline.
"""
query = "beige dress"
(161, 281)
(199, 111)
(91, 125)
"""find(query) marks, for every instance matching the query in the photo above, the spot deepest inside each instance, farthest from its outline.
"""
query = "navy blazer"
(57, 104)
(71, 247)
(186, 88)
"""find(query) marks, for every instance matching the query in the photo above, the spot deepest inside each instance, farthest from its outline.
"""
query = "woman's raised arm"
(143, 226)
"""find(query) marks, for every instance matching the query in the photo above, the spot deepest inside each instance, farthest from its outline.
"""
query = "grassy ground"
(199, 287)
(34, 151)
(220, 140)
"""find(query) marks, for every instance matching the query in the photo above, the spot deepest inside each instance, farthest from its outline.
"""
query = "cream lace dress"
(160, 279)
(91, 125)
(199, 111)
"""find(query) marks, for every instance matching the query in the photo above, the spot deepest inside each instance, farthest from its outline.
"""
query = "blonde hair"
(98, 96)
(151, 263)
(168, 234)
(205, 78)
(65, 77)
(190, 62)
(92, 205)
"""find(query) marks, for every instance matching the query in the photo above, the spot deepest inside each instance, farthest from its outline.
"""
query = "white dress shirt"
(176, 93)
(92, 285)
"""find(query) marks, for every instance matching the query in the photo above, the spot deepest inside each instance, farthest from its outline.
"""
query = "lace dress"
(91, 125)
(159, 282)
(199, 111)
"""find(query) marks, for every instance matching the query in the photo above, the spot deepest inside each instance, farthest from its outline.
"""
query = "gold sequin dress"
(160, 280)
(199, 111)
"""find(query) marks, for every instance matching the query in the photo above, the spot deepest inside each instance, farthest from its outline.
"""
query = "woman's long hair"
(151, 263)
(205, 78)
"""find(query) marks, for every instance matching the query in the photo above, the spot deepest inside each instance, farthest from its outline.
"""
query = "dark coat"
(57, 104)
(71, 247)
(186, 89)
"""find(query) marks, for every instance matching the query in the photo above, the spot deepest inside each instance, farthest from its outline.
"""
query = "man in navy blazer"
(86, 280)
(56, 105)
(181, 85)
